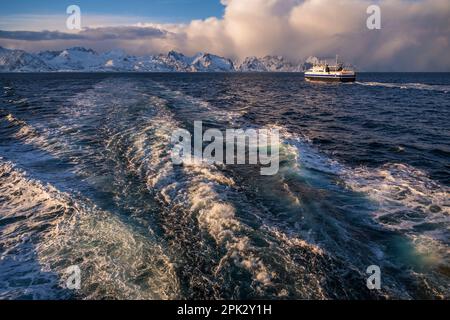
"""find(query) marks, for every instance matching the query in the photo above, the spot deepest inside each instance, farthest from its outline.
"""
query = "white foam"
(198, 106)
(304, 153)
(197, 186)
(416, 86)
(114, 260)
(402, 197)
(396, 187)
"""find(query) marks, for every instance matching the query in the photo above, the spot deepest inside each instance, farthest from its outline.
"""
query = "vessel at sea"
(321, 71)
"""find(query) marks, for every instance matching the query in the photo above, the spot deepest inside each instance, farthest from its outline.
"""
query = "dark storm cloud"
(106, 33)
(38, 35)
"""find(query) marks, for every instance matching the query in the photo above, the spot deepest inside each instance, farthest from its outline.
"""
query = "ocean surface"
(86, 180)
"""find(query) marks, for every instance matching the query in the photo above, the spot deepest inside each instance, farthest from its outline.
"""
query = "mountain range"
(79, 59)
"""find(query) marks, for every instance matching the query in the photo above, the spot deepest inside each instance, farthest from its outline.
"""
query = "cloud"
(98, 34)
(38, 36)
(413, 35)
(133, 39)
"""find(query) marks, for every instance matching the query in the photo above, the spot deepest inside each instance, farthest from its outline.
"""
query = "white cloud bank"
(414, 34)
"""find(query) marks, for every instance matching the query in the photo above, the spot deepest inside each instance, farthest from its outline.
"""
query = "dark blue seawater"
(86, 179)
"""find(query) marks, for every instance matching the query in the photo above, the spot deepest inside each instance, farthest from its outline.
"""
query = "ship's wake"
(140, 227)
(413, 86)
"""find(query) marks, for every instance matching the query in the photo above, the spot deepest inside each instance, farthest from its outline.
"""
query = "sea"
(92, 207)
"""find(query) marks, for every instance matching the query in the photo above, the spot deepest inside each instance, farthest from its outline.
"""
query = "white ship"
(324, 72)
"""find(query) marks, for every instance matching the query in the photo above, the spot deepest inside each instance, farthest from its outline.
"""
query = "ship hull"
(330, 78)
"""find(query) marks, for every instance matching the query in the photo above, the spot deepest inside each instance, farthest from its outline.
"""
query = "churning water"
(86, 179)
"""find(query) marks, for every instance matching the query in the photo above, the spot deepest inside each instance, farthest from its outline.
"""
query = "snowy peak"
(116, 60)
(212, 63)
(74, 59)
(177, 56)
(252, 64)
(175, 61)
(21, 61)
(269, 64)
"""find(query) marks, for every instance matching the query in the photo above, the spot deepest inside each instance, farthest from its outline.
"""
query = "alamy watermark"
(374, 280)
(373, 22)
(73, 281)
(250, 146)
(73, 22)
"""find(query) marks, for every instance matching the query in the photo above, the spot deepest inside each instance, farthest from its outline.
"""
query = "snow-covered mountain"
(76, 58)
(209, 62)
(21, 61)
(79, 59)
(269, 64)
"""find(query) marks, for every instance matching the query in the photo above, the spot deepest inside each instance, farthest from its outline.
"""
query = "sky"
(155, 10)
(414, 34)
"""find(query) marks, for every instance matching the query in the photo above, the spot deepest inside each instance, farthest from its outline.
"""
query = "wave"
(207, 229)
(401, 199)
(397, 182)
(189, 106)
(210, 222)
(204, 192)
(145, 155)
(408, 198)
(27, 133)
(44, 231)
(199, 189)
(416, 86)
(394, 186)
